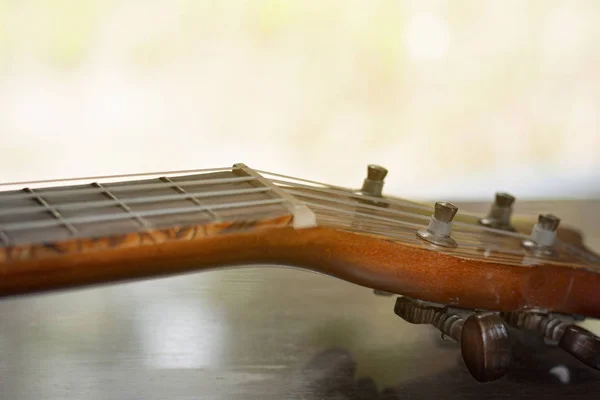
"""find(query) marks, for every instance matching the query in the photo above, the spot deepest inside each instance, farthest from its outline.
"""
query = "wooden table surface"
(260, 333)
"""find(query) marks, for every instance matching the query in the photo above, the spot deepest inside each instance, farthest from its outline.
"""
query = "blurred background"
(456, 98)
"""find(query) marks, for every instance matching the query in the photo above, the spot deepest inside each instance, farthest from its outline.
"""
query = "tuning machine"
(575, 340)
(543, 235)
(500, 212)
(440, 225)
(483, 337)
(373, 185)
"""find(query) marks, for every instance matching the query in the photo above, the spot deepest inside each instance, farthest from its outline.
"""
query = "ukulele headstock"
(443, 227)
(492, 240)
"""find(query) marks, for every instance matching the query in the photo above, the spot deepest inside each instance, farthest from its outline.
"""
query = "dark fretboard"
(233, 197)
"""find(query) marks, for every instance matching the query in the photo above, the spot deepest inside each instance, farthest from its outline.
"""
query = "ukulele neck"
(41, 221)
(110, 229)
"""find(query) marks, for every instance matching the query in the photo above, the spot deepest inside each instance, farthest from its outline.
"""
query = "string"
(124, 206)
(408, 225)
(122, 189)
(149, 213)
(90, 178)
(465, 232)
(194, 199)
(461, 235)
(52, 211)
(350, 194)
(81, 205)
(407, 214)
(479, 251)
(346, 191)
(327, 188)
(360, 205)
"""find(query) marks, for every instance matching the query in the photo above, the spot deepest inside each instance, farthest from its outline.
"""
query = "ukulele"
(473, 277)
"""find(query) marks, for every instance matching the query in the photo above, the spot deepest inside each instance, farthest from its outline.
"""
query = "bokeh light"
(456, 98)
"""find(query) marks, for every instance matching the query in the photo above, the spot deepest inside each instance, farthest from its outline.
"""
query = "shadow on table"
(537, 371)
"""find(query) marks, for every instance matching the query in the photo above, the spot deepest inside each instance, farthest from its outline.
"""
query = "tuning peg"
(440, 225)
(548, 222)
(373, 183)
(575, 340)
(483, 338)
(581, 344)
(543, 234)
(499, 215)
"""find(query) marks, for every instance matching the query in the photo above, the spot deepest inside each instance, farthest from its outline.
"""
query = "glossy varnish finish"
(50, 222)
(261, 334)
(363, 260)
(370, 245)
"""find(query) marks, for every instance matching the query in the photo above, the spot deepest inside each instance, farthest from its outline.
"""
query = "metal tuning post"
(543, 235)
(575, 340)
(483, 337)
(440, 225)
(500, 213)
(373, 187)
(373, 183)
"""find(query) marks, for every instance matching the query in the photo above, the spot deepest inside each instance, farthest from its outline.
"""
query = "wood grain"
(38, 251)
(358, 240)
(361, 259)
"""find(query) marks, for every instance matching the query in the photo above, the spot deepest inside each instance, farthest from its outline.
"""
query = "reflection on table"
(256, 333)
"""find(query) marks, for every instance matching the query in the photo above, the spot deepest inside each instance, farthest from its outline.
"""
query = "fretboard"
(40, 220)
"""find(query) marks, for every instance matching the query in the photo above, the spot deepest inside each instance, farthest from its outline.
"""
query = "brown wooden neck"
(103, 232)
(364, 260)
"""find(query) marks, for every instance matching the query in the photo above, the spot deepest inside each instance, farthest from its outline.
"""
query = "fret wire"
(148, 213)
(121, 204)
(53, 212)
(192, 197)
(132, 188)
(95, 178)
(134, 200)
